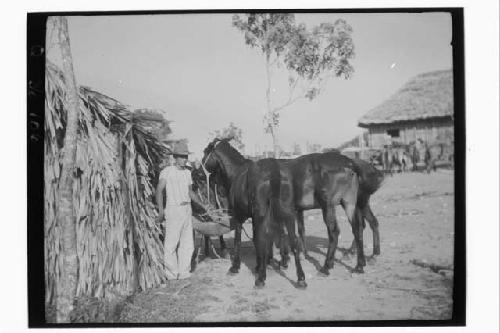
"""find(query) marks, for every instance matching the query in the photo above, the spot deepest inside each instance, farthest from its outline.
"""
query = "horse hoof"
(358, 269)
(372, 260)
(324, 271)
(301, 284)
(273, 263)
(284, 265)
(376, 252)
(259, 284)
(233, 270)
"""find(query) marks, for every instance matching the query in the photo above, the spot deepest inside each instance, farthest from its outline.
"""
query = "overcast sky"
(198, 69)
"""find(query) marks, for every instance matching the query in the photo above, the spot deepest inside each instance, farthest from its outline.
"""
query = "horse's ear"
(215, 140)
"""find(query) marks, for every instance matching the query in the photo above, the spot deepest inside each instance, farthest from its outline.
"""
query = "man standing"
(176, 181)
(428, 158)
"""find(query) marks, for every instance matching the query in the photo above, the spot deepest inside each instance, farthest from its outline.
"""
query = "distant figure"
(395, 161)
(403, 161)
(414, 156)
(428, 159)
(386, 160)
(380, 159)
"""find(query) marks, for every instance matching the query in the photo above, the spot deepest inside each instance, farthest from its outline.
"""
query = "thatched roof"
(427, 95)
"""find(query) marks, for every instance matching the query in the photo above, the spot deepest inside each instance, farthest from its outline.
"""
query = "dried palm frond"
(117, 162)
(213, 219)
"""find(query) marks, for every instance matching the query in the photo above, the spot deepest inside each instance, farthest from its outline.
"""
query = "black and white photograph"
(248, 167)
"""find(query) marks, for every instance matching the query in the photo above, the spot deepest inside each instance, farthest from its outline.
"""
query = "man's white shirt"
(177, 186)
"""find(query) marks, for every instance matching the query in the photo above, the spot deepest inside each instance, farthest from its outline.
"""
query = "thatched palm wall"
(116, 167)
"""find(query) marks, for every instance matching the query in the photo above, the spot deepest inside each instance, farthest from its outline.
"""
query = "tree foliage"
(268, 32)
(309, 56)
(231, 131)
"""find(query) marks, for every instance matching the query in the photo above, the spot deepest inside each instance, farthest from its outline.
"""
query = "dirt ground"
(416, 216)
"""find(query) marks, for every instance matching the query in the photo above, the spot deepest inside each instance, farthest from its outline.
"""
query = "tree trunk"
(274, 135)
(272, 127)
(67, 282)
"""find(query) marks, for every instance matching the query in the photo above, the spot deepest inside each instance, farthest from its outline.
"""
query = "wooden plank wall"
(428, 131)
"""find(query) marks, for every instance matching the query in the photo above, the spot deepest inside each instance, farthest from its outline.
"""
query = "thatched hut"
(421, 109)
(118, 160)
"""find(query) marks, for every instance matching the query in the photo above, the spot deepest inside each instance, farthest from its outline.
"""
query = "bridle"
(207, 173)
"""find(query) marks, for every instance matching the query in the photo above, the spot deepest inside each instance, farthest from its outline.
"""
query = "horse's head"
(213, 152)
(222, 159)
(209, 160)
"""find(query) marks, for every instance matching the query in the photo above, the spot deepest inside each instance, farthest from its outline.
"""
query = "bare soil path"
(416, 215)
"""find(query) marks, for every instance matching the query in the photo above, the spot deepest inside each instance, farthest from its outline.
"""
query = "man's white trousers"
(178, 244)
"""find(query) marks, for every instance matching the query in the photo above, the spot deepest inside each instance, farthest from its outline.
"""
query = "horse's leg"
(373, 222)
(196, 253)
(255, 238)
(206, 240)
(284, 249)
(301, 231)
(235, 267)
(261, 242)
(270, 253)
(223, 248)
(355, 218)
(361, 203)
(354, 244)
(290, 226)
(333, 237)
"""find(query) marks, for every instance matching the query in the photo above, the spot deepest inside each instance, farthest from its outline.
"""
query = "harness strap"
(207, 174)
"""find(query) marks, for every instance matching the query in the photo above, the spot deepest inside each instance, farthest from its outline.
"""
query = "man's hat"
(180, 148)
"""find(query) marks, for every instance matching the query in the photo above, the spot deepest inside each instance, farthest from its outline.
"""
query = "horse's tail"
(379, 179)
(371, 179)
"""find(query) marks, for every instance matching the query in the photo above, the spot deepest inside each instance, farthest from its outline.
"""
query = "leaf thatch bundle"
(117, 163)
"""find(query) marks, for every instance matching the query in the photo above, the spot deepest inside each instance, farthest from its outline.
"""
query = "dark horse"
(370, 180)
(262, 191)
(318, 180)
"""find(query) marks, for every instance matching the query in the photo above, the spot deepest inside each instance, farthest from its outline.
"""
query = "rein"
(207, 176)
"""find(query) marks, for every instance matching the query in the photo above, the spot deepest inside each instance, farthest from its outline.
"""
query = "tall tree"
(66, 286)
(310, 57)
